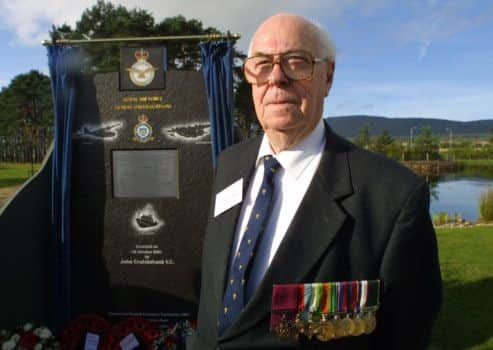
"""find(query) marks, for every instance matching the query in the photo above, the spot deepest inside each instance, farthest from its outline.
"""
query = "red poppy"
(28, 340)
(78, 328)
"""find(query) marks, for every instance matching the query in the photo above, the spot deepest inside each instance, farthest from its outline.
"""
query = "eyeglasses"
(297, 65)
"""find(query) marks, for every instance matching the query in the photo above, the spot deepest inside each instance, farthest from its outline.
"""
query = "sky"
(400, 59)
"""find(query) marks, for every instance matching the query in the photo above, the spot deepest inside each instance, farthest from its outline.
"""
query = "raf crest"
(143, 130)
(142, 73)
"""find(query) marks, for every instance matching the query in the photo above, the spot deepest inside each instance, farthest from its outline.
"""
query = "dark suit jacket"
(363, 217)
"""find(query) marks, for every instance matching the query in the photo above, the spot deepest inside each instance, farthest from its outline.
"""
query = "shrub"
(486, 205)
(458, 218)
(436, 219)
(443, 218)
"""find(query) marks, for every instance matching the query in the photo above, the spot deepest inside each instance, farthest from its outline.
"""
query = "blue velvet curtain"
(217, 58)
(64, 65)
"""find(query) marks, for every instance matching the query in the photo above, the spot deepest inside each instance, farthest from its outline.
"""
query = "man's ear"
(330, 76)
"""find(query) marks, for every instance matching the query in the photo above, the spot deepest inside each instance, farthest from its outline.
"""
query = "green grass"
(466, 259)
(12, 174)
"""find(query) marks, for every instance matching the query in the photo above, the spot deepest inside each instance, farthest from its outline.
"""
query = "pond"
(458, 193)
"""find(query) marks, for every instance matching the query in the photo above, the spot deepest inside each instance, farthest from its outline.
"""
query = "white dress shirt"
(298, 165)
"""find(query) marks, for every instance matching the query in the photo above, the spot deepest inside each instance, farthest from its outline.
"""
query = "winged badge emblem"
(142, 73)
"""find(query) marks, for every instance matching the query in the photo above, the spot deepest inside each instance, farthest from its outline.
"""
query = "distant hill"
(348, 126)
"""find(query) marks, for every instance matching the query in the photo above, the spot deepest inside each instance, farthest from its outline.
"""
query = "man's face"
(281, 104)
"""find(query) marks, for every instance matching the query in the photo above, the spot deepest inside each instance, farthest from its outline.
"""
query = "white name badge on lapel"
(229, 197)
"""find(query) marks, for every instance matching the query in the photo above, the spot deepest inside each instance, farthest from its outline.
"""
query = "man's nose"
(277, 76)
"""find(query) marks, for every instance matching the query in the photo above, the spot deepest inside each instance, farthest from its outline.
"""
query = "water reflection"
(458, 192)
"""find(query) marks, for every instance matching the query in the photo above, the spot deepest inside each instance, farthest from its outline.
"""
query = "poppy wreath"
(144, 331)
(174, 337)
(73, 336)
(28, 337)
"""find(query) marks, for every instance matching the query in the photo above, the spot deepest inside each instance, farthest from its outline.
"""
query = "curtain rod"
(213, 36)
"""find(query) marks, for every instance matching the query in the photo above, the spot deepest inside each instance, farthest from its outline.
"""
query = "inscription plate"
(145, 173)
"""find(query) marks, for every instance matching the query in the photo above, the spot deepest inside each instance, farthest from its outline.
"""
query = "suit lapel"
(313, 228)
(224, 225)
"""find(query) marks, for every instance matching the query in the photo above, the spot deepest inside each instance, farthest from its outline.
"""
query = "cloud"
(373, 25)
(429, 22)
(30, 20)
(423, 50)
(428, 36)
(415, 23)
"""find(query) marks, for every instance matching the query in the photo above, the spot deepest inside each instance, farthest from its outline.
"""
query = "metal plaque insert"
(145, 173)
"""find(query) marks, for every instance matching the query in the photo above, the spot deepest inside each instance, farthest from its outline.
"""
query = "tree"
(363, 138)
(465, 150)
(26, 101)
(383, 141)
(395, 151)
(106, 20)
(26, 116)
(426, 145)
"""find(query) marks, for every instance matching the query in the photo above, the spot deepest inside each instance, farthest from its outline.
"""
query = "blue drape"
(64, 68)
(217, 58)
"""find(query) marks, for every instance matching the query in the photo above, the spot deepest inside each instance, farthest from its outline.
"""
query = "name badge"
(229, 197)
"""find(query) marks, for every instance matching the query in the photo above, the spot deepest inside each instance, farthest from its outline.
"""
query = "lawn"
(12, 174)
(466, 259)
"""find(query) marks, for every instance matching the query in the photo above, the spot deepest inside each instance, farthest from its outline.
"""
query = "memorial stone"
(141, 180)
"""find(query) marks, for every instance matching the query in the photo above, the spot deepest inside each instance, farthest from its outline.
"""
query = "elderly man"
(301, 216)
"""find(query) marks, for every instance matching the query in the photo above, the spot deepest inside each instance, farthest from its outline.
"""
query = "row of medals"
(327, 327)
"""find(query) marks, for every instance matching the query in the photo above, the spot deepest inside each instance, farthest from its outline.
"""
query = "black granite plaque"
(142, 68)
(145, 173)
(136, 250)
(136, 224)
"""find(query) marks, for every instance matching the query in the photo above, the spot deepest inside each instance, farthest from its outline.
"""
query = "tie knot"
(271, 165)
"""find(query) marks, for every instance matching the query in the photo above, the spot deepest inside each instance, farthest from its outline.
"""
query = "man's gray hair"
(326, 46)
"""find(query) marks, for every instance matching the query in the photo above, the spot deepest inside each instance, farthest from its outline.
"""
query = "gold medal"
(373, 323)
(359, 326)
(370, 323)
(371, 305)
(310, 327)
(339, 327)
(313, 329)
(327, 331)
(349, 327)
(284, 329)
(300, 326)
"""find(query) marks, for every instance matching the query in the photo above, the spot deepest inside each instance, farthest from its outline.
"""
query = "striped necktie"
(234, 296)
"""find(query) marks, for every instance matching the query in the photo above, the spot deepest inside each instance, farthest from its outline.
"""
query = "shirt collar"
(295, 159)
